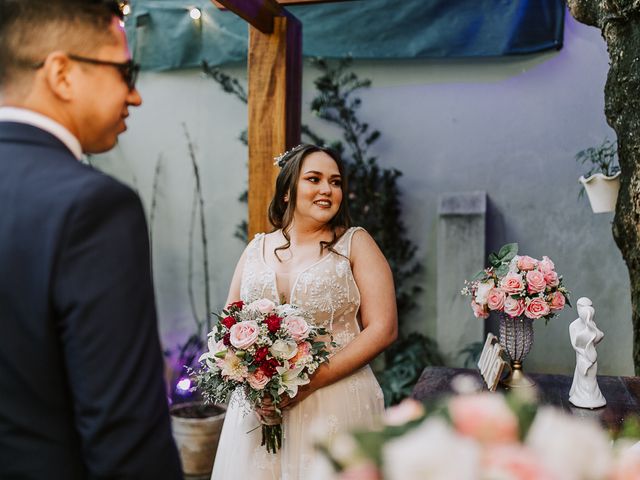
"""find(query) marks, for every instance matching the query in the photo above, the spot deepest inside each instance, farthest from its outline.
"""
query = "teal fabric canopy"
(163, 35)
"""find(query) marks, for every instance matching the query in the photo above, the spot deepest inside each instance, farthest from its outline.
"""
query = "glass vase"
(516, 336)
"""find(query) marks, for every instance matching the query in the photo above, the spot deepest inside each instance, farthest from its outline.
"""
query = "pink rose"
(546, 265)
(404, 412)
(244, 334)
(551, 277)
(627, 465)
(484, 416)
(297, 327)
(512, 283)
(479, 310)
(258, 380)
(515, 462)
(303, 355)
(526, 263)
(535, 281)
(537, 308)
(557, 301)
(513, 307)
(361, 471)
(264, 305)
(495, 300)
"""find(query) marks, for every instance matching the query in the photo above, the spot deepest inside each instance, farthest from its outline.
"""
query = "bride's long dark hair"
(281, 212)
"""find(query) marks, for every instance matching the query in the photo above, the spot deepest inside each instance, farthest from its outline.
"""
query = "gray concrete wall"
(462, 232)
(508, 126)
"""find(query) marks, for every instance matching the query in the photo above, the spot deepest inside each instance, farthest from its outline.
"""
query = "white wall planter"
(602, 191)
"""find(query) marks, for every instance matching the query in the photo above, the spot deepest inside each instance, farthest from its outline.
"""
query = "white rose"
(571, 447)
(406, 457)
(482, 293)
(283, 349)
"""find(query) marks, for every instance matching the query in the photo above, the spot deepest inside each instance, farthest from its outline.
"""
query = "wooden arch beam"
(275, 94)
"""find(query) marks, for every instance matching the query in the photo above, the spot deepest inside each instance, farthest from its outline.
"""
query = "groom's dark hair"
(281, 211)
(32, 29)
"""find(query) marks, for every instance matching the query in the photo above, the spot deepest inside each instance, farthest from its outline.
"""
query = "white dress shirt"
(29, 117)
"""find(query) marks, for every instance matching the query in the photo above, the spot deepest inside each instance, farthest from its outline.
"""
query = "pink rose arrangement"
(516, 285)
(266, 351)
(481, 436)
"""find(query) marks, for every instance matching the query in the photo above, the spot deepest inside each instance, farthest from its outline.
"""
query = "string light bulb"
(195, 13)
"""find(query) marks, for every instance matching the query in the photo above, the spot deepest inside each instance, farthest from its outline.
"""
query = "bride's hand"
(267, 410)
(286, 402)
(318, 380)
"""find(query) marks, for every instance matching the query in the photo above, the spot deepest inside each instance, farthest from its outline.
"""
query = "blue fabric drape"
(163, 35)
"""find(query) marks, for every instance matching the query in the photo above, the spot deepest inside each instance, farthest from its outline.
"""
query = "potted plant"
(602, 180)
(196, 429)
(196, 425)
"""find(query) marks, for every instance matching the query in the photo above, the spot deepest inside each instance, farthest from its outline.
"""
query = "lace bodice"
(326, 289)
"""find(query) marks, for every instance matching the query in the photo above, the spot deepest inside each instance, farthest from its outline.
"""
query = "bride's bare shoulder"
(363, 244)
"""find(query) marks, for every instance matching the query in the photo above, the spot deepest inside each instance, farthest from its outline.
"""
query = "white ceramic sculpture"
(584, 334)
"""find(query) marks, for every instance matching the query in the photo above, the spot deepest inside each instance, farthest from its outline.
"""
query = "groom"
(81, 385)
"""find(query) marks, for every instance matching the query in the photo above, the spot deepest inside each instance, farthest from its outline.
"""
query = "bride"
(338, 274)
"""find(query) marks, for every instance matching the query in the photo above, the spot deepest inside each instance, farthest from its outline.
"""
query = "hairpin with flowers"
(282, 159)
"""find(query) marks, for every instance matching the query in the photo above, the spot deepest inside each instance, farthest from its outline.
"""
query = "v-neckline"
(295, 282)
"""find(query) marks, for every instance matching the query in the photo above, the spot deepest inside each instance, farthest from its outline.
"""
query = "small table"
(622, 393)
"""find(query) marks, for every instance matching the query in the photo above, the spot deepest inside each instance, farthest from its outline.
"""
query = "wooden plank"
(275, 87)
(285, 2)
(258, 13)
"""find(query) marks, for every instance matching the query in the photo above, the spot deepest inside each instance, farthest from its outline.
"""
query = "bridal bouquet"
(266, 350)
(517, 285)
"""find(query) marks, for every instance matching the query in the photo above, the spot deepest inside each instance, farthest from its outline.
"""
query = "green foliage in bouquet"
(374, 201)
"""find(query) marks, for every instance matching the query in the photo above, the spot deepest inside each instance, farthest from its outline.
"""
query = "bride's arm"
(378, 314)
(234, 288)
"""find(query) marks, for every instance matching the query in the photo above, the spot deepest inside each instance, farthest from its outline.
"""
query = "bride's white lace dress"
(328, 290)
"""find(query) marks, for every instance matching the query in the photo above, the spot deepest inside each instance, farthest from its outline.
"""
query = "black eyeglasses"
(129, 69)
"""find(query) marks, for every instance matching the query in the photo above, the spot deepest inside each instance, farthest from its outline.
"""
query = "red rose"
(268, 367)
(227, 339)
(228, 322)
(273, 323)
(260, 355)
(239, 304)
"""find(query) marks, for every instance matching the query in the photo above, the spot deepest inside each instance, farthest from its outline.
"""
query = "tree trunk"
(619, 22)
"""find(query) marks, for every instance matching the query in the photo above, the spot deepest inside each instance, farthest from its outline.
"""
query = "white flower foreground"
(482, 436)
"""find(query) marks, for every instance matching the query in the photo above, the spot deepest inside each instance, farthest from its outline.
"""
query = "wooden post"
(275, 96)
(275, 87)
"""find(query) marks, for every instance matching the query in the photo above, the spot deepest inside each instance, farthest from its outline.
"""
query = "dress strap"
(344, 244)
(254, 249)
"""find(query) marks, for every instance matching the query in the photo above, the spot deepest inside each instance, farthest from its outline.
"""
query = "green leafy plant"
(471, 354)
(405, 361)
(601, 159)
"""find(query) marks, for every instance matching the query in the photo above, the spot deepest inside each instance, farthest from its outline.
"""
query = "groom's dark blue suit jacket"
(81, 389)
